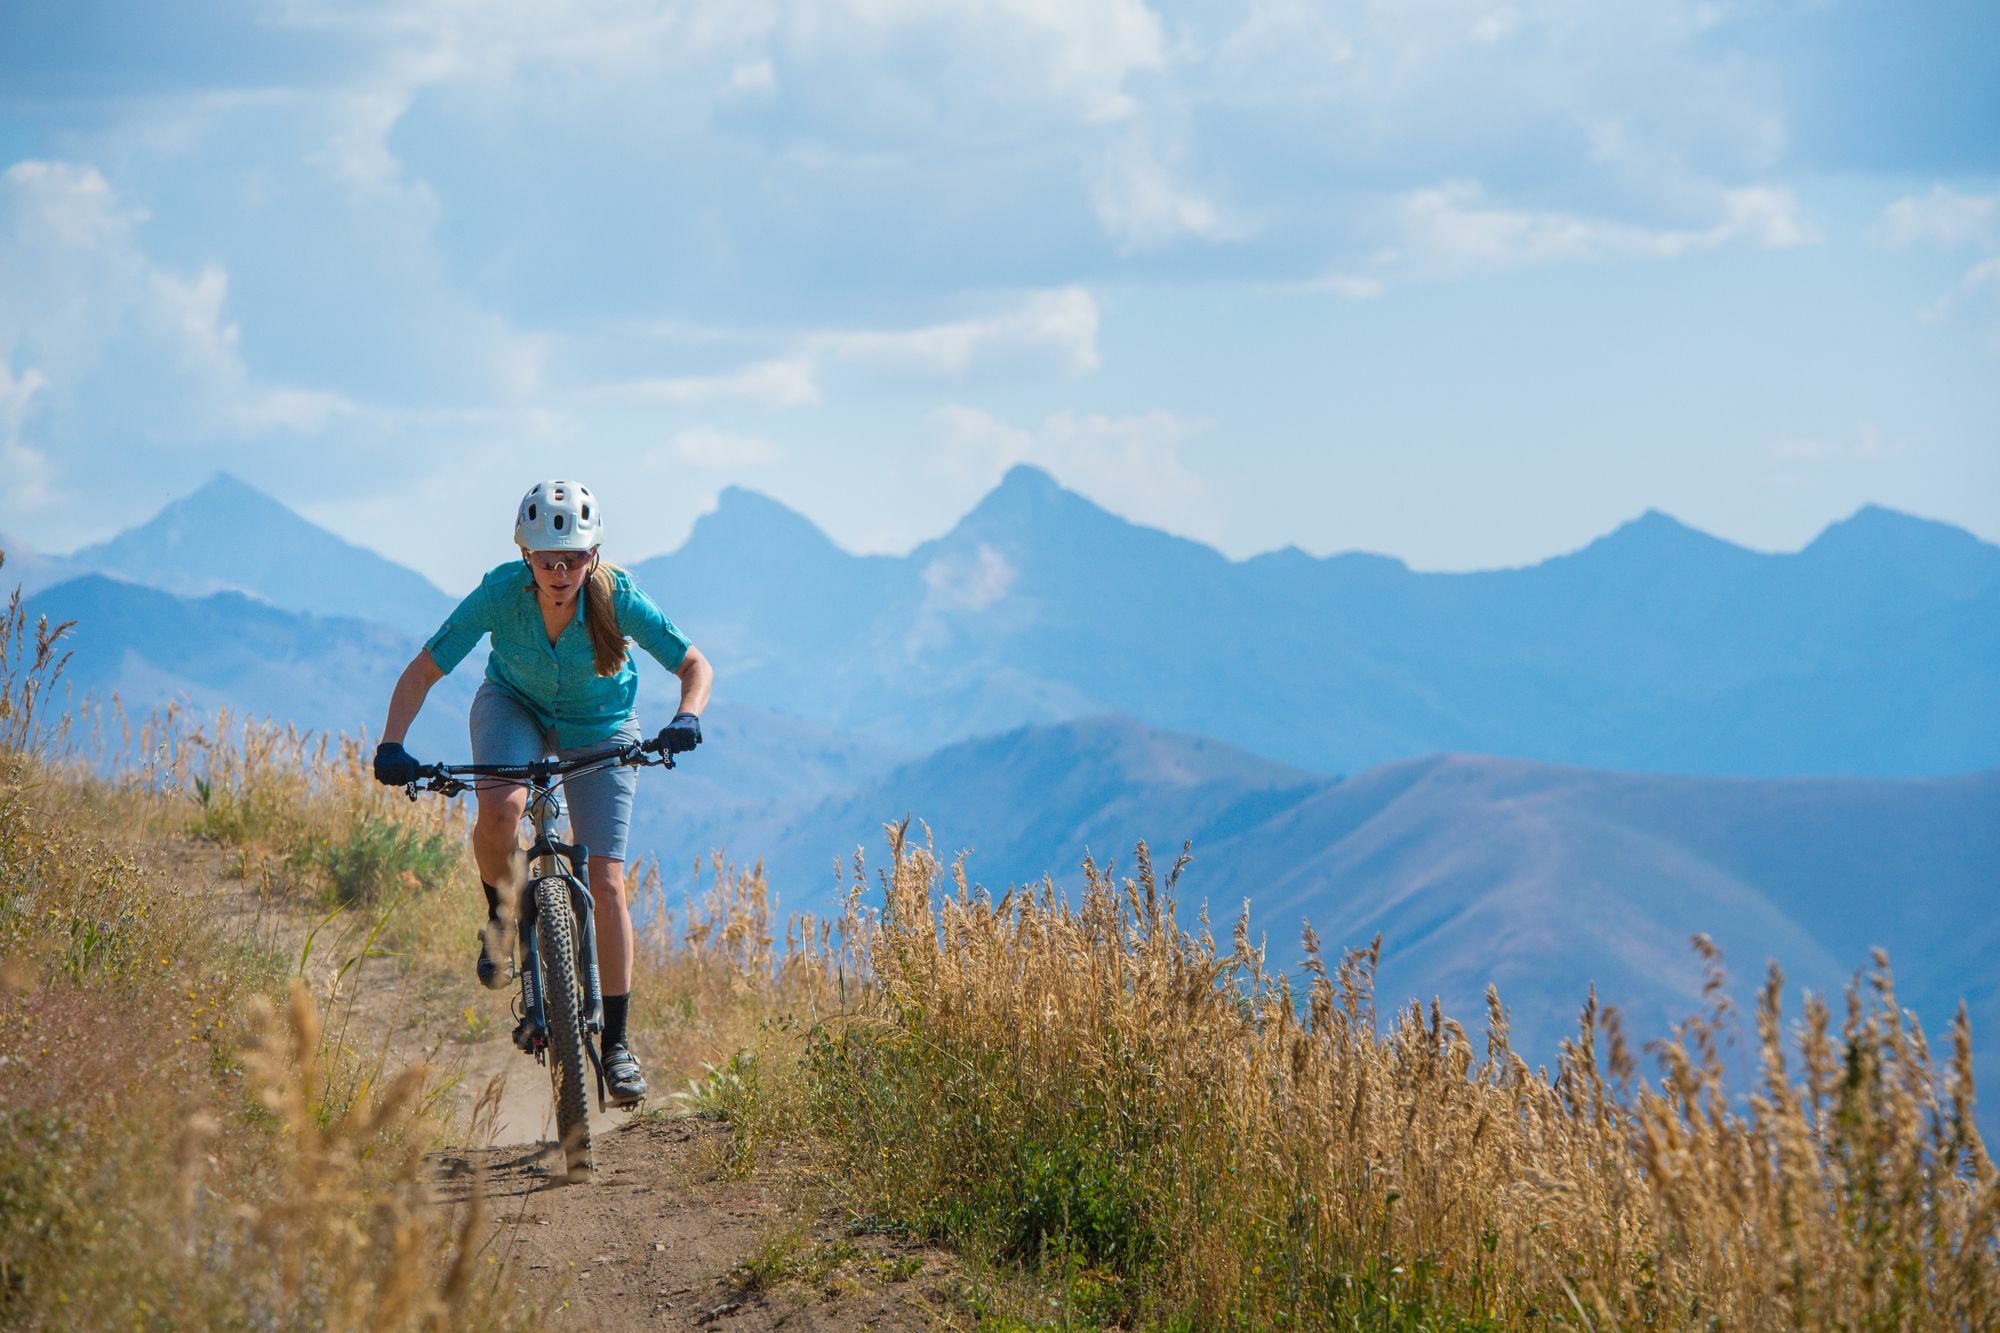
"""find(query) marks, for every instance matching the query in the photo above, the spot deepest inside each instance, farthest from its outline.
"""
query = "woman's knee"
(607, 879)
(500, 813)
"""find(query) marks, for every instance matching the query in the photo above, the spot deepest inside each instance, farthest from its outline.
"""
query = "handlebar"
(451, 779)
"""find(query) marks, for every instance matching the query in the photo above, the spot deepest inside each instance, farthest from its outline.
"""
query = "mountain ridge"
(1640, 649)
(227, 535)
(1655, 646)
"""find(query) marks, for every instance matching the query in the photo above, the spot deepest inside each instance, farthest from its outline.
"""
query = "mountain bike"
(559, 1009)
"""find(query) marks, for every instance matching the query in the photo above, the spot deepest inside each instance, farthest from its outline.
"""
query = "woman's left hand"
(681, 735)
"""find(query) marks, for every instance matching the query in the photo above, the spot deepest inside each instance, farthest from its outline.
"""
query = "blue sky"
(1468, 283)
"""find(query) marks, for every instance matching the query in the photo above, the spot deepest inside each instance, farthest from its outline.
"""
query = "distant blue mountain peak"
(299, 566)
(224, 503)
(1657, 525)
(1026, 478)
(1029, 500)
(1876, 543)
(1028, 490)
(746, 520)
(1877, 525)
(227, 486)
(1657, 536)
(741, 499)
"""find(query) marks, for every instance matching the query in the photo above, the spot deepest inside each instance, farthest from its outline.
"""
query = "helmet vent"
(531, 512)
(586, 512)
(557, 522)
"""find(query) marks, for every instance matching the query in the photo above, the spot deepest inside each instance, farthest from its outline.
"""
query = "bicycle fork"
(532, 1035)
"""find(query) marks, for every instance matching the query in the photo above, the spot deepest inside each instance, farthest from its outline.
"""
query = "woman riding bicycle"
(558, 681)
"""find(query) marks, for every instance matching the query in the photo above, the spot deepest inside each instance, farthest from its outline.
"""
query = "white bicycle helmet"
(558, 516)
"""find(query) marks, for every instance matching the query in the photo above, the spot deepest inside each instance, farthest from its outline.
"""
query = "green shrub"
(381, 855)
(236, 810)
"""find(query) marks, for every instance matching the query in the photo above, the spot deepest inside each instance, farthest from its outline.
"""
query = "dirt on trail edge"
(666, 1234)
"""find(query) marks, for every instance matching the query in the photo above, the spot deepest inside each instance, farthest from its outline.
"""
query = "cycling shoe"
(622, 1077)
(492, 960)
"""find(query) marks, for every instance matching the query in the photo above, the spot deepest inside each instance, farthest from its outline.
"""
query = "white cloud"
(1943, 217)
(30, 478)
(1233, 126)
(1352, 286)
(1055, 328)
(1953, 221)
(753, 76)
(1140, 200)
(983, 60)
(1867, 444)
(357, 146)
(1077, 56)
(1047, 332)
(1453, 228)
(1495, 25)
(784, 382)
(300, 411)
(716, 450)
(1984, 274)
(92, 327)
(1130, 463)
(1980, 279)
(1281, 49)
(972, 581)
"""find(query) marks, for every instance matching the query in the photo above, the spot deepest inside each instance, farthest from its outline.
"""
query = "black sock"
(615, 1007)
(492, 901)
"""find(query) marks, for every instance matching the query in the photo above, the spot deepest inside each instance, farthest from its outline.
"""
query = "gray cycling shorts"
(600, 803)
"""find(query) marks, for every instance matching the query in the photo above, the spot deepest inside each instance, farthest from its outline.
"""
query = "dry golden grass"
(177, 1149)
(1185, 1140)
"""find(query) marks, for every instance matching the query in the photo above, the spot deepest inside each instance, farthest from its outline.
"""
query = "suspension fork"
(571, 863)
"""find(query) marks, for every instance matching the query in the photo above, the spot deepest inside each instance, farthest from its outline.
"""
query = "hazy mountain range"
(1047, 678)
(1875, 650)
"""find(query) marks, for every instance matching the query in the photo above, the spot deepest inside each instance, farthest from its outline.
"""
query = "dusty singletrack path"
(663, 1238)
(667, 1235)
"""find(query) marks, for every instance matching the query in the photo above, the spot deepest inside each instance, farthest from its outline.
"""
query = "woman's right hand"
(393, 765)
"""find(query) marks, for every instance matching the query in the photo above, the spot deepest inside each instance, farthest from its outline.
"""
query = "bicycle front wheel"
(562, 1005)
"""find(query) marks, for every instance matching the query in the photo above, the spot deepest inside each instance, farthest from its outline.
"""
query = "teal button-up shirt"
(557, 682)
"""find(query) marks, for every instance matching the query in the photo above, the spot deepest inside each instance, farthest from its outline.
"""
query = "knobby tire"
(562, 1005)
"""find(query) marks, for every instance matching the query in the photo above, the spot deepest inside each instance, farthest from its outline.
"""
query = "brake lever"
(441, 783)
(644, 755)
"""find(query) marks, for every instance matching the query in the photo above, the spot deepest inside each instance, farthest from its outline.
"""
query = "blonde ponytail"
(607, 645)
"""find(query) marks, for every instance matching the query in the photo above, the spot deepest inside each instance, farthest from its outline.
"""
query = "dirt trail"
(665, 1235)
(663, 1238)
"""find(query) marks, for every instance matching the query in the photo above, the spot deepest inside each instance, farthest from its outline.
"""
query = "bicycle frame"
(550, 858)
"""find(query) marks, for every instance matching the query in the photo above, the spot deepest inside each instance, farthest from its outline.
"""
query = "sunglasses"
(555, 562)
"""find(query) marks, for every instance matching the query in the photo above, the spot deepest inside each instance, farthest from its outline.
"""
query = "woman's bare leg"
(496, 841)
(614, 925)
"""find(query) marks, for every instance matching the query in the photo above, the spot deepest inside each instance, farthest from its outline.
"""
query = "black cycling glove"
(394, 767)
(682, 734)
